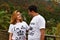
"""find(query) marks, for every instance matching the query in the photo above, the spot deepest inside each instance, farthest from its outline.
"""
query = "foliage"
(4, 20)
(49, 10)
(57, 33)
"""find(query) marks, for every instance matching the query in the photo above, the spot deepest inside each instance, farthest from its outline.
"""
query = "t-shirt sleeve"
(27, 27)
(41, 23)
(10, 30)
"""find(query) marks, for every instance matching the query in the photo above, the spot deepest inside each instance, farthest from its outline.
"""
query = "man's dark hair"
(33, 8)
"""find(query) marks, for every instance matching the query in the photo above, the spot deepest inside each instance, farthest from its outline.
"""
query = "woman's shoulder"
(11, 24)
(23, 22)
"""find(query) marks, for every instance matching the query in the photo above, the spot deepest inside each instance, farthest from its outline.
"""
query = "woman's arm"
(10, 36)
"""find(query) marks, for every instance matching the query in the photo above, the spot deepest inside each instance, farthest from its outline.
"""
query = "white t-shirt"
(18, 30)
(37, 23)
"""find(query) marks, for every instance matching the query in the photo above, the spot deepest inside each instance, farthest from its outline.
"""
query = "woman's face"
(19, 16)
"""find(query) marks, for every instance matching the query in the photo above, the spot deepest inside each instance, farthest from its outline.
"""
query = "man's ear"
(32, 11)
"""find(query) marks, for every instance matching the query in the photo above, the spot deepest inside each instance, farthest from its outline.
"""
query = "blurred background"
(49, 9)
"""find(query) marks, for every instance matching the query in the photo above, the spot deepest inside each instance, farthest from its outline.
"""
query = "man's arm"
(42, 37)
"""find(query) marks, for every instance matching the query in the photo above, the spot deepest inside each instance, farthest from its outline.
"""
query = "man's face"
(30, 13)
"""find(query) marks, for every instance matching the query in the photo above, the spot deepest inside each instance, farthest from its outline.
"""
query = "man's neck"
(35, 14)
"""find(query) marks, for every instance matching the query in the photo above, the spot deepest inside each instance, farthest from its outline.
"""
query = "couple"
(36, 29)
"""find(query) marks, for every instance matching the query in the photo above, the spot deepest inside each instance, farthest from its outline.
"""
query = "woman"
(17, 28)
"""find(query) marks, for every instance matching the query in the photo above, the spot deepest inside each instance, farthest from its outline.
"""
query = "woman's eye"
(17, 16)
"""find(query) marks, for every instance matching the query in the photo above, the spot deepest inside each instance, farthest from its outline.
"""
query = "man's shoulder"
(39, 17)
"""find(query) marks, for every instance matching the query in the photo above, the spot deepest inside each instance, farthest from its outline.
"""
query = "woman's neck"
(18, 21)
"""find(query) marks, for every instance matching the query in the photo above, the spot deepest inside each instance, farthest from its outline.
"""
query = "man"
(37, 24)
